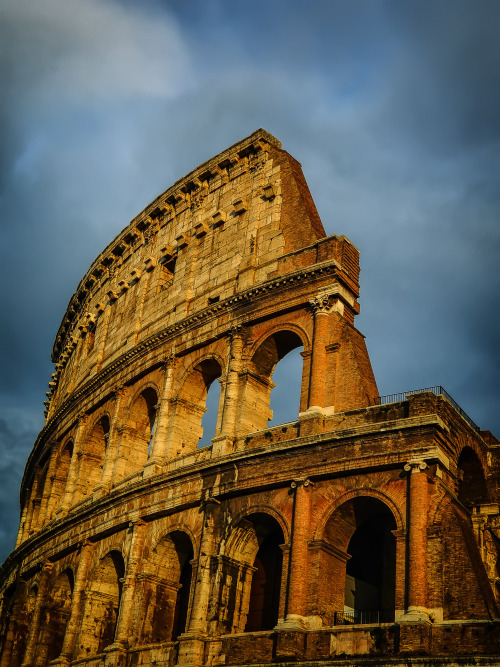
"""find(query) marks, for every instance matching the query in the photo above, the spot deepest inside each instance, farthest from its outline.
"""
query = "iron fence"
(364, 617)
(439, 391)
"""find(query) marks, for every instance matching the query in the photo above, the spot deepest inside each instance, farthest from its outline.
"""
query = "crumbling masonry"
(366, 531)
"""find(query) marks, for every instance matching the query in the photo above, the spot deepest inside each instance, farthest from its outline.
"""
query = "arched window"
(259, 382)
(191, 406)
(251, 575)
(166, 614)
(285, 396)
(61, 477)
(93, 456)
(102, 605)
(210, 418)
(472, 483)
(263, 606)
(358, 568)
(8, 624)
(22, 628)
(55, 617)
(141, 422)
(38, 493)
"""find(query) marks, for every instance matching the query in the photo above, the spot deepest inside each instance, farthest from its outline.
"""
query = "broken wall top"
(240, 211)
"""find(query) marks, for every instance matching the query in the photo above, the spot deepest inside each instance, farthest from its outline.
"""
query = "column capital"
(168, 360)
(235, 331)
(85, 544)
(119, 391)
(81, 418)
(46, 566)
(301, 481)
(415, 466)
(206, 502)
(321, 304)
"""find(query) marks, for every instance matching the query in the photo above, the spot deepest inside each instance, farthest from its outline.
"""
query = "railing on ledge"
(395, 398)
(364, 617)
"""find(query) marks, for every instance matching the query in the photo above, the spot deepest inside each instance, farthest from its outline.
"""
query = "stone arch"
(23, 625)
(348, 495)
(257, 509)
(166, 588)
(61, 474)
(55, 616)
(356, 559)
(93, 455)
(189, 405)
(472, 489)
(102, 604)
(276, 328)
(38, 491)
(179, 527)
(140, 424)
(260, 365)
(250, 576)
(14, 622)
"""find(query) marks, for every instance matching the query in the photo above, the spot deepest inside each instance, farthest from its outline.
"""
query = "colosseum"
(365, 531)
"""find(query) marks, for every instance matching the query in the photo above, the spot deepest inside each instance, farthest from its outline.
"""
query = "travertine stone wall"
(357, 529)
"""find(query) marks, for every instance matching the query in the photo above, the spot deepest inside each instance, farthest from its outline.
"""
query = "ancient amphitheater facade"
(365, 531)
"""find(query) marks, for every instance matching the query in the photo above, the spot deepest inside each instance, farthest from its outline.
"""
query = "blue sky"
(393, 109)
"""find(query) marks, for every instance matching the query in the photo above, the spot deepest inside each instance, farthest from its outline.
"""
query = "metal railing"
(364, 617)
(402, 396)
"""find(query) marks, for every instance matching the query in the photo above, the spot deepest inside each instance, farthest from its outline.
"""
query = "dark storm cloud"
(393, 109)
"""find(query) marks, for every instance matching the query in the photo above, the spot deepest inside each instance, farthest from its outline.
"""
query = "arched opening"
(359, 563)
(61, 476)
(285, 396)
(258, 386)
(141, 423)
(92, 460)
(102, 606)
(37, 494)
(55, 617)
(263, 607)
(210, 417)
(167, 595)
(22, 628)
(472, 483)
(9, 624)
(191, 407)
(182, 600)
(251, 575)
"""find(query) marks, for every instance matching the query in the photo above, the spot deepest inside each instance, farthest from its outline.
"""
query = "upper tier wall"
(236, 221)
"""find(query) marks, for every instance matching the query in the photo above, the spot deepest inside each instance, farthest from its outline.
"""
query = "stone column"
(77, 605)
(296, 608)
(321, 309)
(158, 446)
(112, 437)
(417, 540)
(240, 618)
(192, 644)
(67, 499)
(31, 644)
(124, 623)
(232, 384)
(224, 439)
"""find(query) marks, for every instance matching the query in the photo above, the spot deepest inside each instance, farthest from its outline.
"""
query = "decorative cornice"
(191, 322)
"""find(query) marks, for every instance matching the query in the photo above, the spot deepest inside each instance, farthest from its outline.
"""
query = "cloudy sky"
(393, 109)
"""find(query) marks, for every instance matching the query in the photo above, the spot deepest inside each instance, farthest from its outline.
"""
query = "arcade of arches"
(124, 438)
